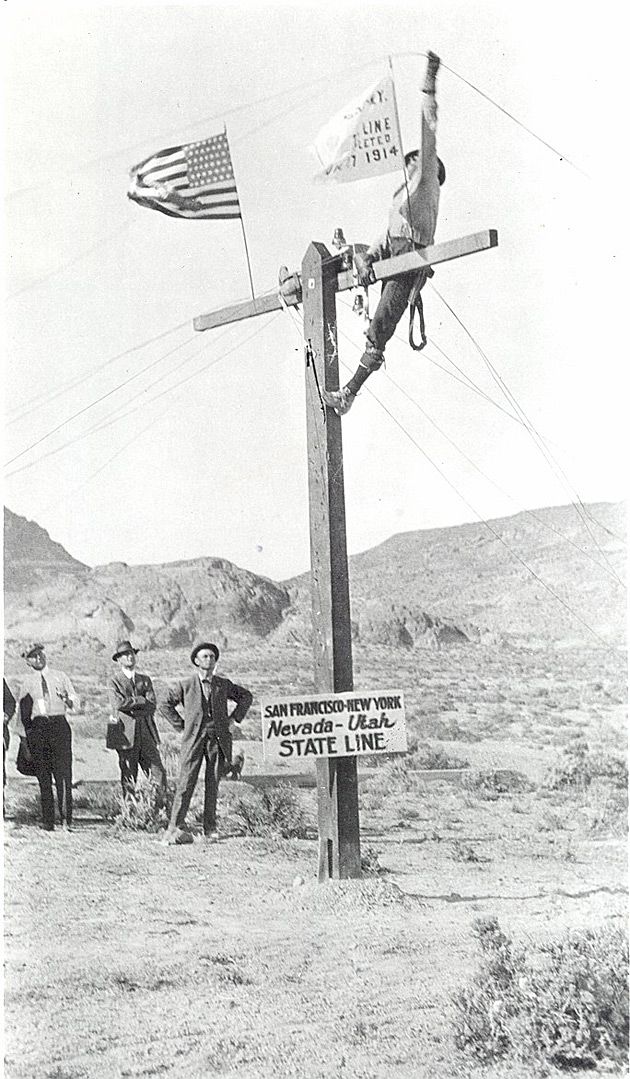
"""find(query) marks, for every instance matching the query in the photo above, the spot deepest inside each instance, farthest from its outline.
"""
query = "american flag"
(196, 180)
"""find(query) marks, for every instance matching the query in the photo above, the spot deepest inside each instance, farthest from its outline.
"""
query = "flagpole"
(391, 71)
(249, 266)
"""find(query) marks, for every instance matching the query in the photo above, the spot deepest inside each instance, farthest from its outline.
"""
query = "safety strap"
(416, 305)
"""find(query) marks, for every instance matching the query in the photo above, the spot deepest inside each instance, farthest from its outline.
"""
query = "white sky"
(218, 466)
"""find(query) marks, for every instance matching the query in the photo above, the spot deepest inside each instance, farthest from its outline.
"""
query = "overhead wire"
(37, 402)
(525, 421)
(106, 421)
(71, 262)
(96, 401)
(483, 520)
(604, 566)
(117, 416)
(175, 133)
(490, 528)
(465, 380)
(168, 409)
(519, 123)
(538, 440)
(307, 84)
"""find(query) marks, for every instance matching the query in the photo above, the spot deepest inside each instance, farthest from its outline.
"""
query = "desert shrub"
(490, 785)
(579, 765)
(550, 821)
(465, 852)
(448, 729)
(23, 804)
(169, 752)
(562, 1004)
(370, 862)
(142, 809)
(390, 778)
(271, 810)
(607, 810)
(424, 755)
(102, 799)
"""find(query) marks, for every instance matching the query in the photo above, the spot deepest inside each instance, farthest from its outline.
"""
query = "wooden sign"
(353, 724)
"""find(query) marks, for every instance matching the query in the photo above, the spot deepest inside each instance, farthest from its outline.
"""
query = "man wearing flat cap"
(132, 704)
(45, 696)
(206, 735)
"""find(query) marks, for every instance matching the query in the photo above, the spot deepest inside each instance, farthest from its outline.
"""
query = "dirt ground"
(128, 958)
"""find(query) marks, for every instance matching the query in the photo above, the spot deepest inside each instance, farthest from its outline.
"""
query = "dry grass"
(305, 980)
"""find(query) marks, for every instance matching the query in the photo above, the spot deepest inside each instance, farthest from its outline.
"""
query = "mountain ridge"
(527, 579)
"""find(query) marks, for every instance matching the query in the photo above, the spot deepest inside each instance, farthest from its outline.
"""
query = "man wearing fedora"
(45, 696)
(206, 735)
(132, 703)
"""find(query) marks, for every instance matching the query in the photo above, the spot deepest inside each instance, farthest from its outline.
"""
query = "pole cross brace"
(384, 269)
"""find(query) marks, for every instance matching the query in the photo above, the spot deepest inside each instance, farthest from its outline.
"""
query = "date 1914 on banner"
(334, 725)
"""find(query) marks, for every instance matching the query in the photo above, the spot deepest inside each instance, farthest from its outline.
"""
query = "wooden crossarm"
(262, 305)
(425, 256)
(384, 269)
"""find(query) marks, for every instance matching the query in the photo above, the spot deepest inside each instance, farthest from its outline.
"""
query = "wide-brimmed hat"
(204, 644)
(30, 648)
(124, 646)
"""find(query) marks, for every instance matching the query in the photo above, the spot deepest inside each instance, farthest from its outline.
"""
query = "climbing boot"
(340, 401)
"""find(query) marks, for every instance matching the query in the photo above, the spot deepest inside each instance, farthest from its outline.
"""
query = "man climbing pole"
(412, 223)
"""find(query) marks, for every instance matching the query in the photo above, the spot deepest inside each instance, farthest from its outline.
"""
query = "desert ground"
(127, 958)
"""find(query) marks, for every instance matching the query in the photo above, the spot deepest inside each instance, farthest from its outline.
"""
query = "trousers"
(50, 742)
(142, 754)
(394, 299)
(390, 309)
(205, 748)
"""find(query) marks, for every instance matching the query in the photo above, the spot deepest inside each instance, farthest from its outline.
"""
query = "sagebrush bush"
(579, 765)
(465, 852)
(100, 798)
(489, 785)
(143, 808)
(424, 755)
(389, 779)
(271, 811)
(606, 810)
(371, 862)
(561, 1004)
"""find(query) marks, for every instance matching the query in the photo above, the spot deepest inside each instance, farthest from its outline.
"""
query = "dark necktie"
(45, 692)
(206, 688)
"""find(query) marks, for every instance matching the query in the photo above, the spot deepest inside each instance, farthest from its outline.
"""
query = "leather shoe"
(176, 837)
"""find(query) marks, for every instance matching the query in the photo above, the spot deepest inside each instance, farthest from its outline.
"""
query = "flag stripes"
(194, 181)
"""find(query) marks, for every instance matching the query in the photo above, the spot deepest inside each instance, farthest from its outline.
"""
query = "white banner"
(363, 139)
(333, 725)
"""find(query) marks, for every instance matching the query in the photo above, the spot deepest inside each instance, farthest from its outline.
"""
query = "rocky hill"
(56, 598)
(30, 556)
(553, 576)
(550, 575)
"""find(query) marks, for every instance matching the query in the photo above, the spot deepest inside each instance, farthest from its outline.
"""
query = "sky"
(204, 452)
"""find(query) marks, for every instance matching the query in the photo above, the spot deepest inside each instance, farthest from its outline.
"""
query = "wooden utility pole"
(337, 787)
(322, 276)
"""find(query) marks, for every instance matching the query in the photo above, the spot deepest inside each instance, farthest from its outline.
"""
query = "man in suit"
(206, 735)
(44, 698)
(132, 702)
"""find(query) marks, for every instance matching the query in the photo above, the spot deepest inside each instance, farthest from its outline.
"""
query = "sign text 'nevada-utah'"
(333, 725)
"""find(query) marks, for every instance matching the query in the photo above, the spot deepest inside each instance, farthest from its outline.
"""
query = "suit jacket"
(130, 706)
(188, 695)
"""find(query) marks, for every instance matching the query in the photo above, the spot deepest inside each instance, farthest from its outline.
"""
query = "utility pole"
(337, 784)
(322, 276)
